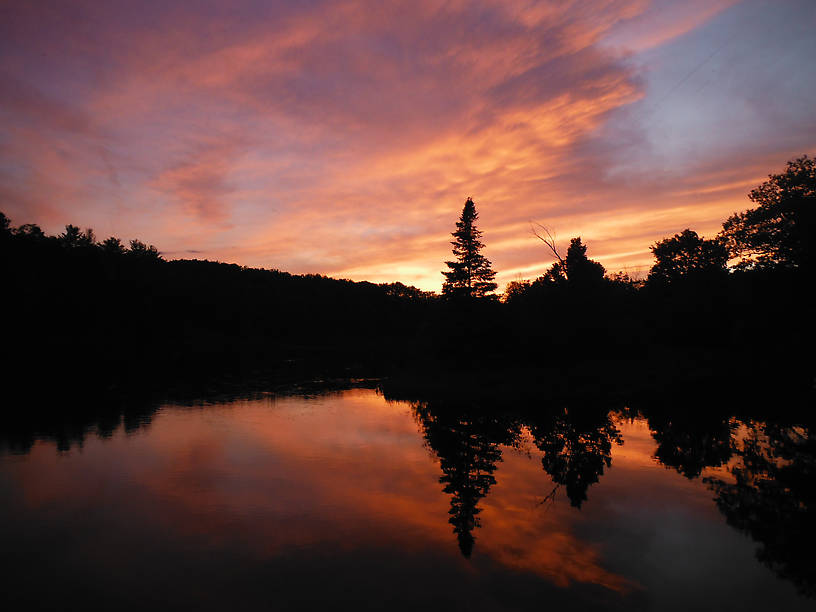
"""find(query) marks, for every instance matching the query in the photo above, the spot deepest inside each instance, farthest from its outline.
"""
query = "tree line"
(82, 309)
(741, 291)
(83, 312)
(777, 234)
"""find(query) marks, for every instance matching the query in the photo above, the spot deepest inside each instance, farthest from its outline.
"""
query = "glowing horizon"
(341, 139)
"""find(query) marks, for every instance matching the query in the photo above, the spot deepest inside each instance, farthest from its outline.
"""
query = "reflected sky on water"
(353, 500)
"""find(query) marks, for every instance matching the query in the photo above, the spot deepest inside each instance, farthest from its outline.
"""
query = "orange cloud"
(336, 139)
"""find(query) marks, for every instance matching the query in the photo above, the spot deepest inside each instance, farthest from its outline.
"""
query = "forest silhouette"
(88, 313)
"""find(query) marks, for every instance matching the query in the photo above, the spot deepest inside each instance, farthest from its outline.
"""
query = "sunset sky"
(343, 138)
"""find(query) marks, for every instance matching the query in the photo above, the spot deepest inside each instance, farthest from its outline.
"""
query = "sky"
(343, 138)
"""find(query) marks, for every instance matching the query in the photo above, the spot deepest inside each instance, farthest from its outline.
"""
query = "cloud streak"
(343, 138)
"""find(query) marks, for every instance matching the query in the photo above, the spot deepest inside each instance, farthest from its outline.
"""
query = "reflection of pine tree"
(468, 451)
(576, 450)
(468, 464)
(773, 499)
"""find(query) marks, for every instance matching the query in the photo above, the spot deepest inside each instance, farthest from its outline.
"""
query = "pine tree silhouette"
(470, 276)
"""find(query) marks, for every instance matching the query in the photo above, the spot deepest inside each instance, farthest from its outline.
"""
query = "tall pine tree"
(470, 276)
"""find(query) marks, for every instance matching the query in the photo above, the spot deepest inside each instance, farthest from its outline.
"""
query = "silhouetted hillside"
(80, 312)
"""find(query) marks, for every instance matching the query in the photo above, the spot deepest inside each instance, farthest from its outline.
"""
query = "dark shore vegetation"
(83, 313)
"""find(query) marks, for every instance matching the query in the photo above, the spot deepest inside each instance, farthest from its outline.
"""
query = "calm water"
(348, 500)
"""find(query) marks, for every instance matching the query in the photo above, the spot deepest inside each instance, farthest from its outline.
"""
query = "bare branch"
(550, 497)
(548, 238)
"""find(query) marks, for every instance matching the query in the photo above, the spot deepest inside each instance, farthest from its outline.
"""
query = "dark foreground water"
(347, 500)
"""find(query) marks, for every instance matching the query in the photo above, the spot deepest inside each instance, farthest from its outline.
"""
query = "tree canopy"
(779, 232)
(579, 268)
(470, 276)
(687, 255)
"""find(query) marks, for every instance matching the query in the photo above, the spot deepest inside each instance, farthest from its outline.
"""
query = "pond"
(356, 500)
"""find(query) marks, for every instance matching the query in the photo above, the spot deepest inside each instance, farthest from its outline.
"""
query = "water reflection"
(468, 446)
(476, 500)
(771, 496)
(576, 446)
(689, 443)
(68, 425)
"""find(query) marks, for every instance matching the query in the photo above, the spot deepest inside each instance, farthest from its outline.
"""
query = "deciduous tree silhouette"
(687, 255)
(470, 276)
(780, 230)
(30, 230)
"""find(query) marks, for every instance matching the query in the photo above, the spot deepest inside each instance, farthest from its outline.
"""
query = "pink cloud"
(337, 139)
(200, 181)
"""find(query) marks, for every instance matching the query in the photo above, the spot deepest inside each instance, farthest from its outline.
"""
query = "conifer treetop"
(470, 275)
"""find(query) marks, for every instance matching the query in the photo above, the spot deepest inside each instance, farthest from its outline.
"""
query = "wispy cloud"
(342, 138)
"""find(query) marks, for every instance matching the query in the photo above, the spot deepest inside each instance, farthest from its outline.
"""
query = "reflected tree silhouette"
(691, 442)
(70, 428)
(468, 447)
(69, 422)
(772, 498)
(576, 447)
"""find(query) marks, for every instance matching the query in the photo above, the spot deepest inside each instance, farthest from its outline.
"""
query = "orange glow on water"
(342, 472)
